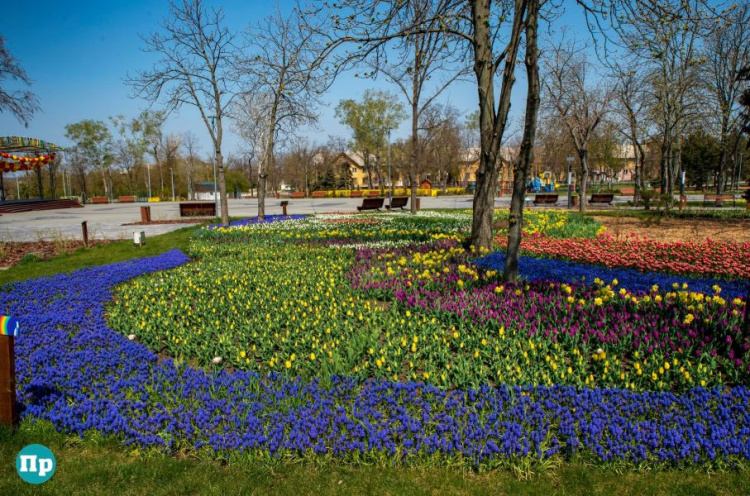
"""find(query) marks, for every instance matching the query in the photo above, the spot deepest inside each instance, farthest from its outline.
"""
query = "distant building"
(354, 164)
(204, 191)
(468, 164)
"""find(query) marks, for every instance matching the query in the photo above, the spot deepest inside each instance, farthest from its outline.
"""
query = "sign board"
(8, 408)
(8, 326)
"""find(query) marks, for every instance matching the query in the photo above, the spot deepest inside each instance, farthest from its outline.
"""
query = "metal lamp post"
(189, 181)
(149, 180)
(569, 159)
(171, 173)
(390, 178)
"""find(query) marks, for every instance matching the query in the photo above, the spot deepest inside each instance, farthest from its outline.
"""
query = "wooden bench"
(298, 194)
(318, 194)
(355, 194)
(602, 198)
(99, 199)
(718, 200)
(398, 202)
(198, 209)
(126, 199)
(546, 199)
(371, 204)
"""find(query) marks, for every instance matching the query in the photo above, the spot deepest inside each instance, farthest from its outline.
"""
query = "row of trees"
(128, 157)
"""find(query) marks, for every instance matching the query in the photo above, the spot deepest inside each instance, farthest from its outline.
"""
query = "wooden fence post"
(8, 407)
(85, 229)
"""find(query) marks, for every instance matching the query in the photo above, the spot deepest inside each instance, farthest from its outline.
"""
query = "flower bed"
(723, 259)
(555, 224)
(560, 270)
(254, 221)
(425, 312)
(80, 376)
(333, 338)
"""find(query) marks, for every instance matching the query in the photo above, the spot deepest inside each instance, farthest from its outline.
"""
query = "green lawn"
(101, 465)
(98, 255)
(97, 465)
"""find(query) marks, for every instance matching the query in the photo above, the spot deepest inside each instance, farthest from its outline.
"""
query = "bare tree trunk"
(722, 159)
(84, 191)
(678, 165)
(52, 182)
(491, 124)
(222, 188)
(161, 181)
(663, 179)
(369, 176)
(640, 167)
(268, 163)
(262, 176)
(39, 182)
(158, 164)
(525, 160)
(414, 130)
(583, 155)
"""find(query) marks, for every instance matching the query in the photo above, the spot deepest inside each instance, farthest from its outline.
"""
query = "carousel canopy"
(20, 144)
(18, 153)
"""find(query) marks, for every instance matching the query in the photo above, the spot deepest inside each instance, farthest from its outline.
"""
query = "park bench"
(355, 194)
(126, 199)
(398, 202)
(602, 198)
(718, 200)
(546, 199)
(372, 194)
(197, 209)
(627, 191)
(318, 194)
(298, 194)
(99, 199)
(371, 204)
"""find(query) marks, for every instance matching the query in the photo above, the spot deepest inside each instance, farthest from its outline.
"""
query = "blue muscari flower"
(533, 269)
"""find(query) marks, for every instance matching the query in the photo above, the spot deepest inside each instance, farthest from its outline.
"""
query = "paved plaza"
(106, 221)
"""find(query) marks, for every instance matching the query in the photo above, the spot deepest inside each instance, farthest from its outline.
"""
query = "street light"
(171, 172)
(390, 179)
(148, 166)
(189, 180)
(569, 159)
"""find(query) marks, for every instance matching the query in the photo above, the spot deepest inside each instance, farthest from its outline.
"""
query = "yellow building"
(468, 163)
(355, 164)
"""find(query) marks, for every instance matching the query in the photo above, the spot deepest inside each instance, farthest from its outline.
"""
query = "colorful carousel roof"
(18, 153)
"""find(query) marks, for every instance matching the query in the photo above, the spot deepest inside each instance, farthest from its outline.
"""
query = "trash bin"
(145, 215)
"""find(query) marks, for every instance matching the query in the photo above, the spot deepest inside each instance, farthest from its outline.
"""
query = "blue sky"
(78, 52)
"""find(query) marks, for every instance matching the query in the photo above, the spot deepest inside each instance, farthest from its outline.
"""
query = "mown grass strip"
(97, 465)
